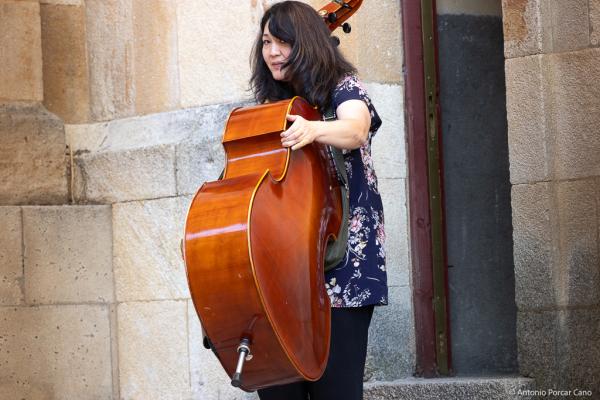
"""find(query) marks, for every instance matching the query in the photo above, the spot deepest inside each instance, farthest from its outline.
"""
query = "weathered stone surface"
(545, 26)
(66, 79)
(153, 350)
(468, 7)
(577, 277)
(148, 264)
(156, 75)
(20, 51)
(198, 162)
(573, 99)
(502, 388)
(551, 117)
(528, 134)
(209, 380)
(569, 27)
(11, 256)
(55, 352)
(173, 127)
(595, 22)
(580, 332)
(109, 41)
(134, 158)
(560, 349)
(522, 30)
(537, 344)
(379, 50)
(68, 254)
(389, 144)
(110, 177)
(33, 164)
(533, 238)
(391, 353)
(64, 2)
(208, 73)
(393, 195)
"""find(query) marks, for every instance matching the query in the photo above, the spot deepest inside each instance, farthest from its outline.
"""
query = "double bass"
(255, 241)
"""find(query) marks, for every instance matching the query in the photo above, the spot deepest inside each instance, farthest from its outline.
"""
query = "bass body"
(254, 246)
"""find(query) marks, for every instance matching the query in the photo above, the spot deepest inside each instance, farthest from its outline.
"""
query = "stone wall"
(552, 59)
(102, 145)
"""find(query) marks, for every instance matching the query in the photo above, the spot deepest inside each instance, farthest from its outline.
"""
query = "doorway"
(481, 282)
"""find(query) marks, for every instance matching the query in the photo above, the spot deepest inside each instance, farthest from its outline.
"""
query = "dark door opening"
(477, 194)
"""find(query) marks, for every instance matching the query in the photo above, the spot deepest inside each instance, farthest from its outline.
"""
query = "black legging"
(343, 377)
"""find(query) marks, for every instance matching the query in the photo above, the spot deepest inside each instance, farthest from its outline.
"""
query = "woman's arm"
(349, 131)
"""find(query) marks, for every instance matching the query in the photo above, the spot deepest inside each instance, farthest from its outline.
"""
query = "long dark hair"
(315, 64)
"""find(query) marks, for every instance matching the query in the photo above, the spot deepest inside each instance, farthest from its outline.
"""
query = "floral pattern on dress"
(360, 279)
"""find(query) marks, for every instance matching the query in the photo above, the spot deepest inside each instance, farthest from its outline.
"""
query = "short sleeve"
(351, 88)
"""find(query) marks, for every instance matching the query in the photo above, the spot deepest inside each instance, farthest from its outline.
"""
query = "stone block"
(537, 344)
(463, 388)
(55, 352)
(33, 163)
(529, 139)
(392, 351)
(11, 256)
(156, 75)
(209, 381)
(551, 118)
(148, 263)
(68, 254)
(389, 144)
(137, 174)
(208, 73)
(566, 25)
(198, 162)
(63, 2)
(534, 245)
(379, 51)
(560, 349)
(393, 194)
(21, 51)
(577, 277)
(579, 331)
(595, 22)
(522, 27)
(545, 26)
(66, 79)
(480, 7)
(153, 350)
(109, 42)
(573, 100)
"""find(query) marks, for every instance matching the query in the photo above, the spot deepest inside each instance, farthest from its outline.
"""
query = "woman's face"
(275, 52)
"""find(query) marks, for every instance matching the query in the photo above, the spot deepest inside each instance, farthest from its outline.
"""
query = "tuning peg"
(346, 27)
(332, 17)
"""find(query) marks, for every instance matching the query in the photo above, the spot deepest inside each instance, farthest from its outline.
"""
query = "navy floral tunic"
(360, 279)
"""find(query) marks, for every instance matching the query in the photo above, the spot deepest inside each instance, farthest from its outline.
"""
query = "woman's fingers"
(297, 120)
(292, 135)
(298, 134)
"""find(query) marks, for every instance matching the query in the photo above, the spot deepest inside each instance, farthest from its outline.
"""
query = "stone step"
(172, 153)
(139, 158)
(459, 388)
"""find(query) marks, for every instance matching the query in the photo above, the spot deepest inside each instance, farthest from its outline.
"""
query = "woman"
(295, 55)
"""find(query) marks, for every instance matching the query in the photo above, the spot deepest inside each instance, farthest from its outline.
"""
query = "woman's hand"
(349, 131)
(299, 134)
